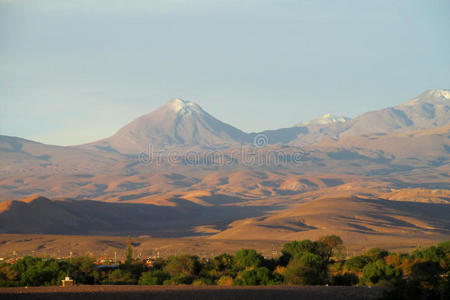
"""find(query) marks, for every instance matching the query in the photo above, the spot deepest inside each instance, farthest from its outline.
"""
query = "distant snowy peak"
(180, 105)
(437, 96)
(325, 119)
(442, 94)
(178, 123)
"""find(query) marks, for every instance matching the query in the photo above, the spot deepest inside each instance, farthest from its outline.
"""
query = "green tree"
(223, 262)
(444, 247)
(356, 263)
(34, 271)
(182, 265)
(375, 254)
(432, 253)
(248, 258)
(8, 276)
(306, 269)
(379, 273)
(129, 259)
(331, 245)
(83, 270)
(325, 248)
(221, 265)
(298, 248)
(427, 274)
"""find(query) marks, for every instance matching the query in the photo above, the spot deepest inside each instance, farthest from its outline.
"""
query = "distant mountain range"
(392, 133)
(429, 110)
(275, 184)
(181, 123)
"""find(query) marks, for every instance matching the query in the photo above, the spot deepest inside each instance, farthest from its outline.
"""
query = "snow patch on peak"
(436, 96)
(180, 105)
(325, 119)
(177, 104)
(440, 93)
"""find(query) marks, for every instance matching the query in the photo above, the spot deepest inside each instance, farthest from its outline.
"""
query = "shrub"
(156, 277)
(347, 279)
(257, 276)
(202, 281)
(225, 280)
(279, 270)
(403, 290)
(180, 279)
(444, 289)
(119, 277)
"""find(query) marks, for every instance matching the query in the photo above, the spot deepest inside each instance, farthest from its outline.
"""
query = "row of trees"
(422, 273)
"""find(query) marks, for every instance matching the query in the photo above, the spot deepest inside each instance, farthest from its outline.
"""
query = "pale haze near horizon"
(75, 71)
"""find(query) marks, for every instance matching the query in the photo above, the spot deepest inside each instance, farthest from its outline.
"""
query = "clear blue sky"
(76, 71)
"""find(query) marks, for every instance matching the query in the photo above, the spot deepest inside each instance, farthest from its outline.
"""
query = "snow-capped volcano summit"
(441, 93)
(177, 123)
(325, 119)
(437, 96)
(178, 105)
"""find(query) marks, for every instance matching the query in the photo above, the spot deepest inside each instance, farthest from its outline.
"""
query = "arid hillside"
(356, 219)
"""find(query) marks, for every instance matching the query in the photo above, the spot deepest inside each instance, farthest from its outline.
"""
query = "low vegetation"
(421, 274)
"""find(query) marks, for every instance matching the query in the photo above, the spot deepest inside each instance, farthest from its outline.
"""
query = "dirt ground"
(18, 245)
(191, 292)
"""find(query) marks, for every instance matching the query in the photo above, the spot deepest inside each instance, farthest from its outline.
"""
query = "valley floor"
(18, 245)
(190, 292)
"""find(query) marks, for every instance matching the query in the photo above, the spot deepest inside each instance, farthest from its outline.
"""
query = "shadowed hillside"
(354, 218)
(41, 215)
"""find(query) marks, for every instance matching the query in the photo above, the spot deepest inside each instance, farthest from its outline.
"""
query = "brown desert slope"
(41, 215)
(20, 156)
(351, 217)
